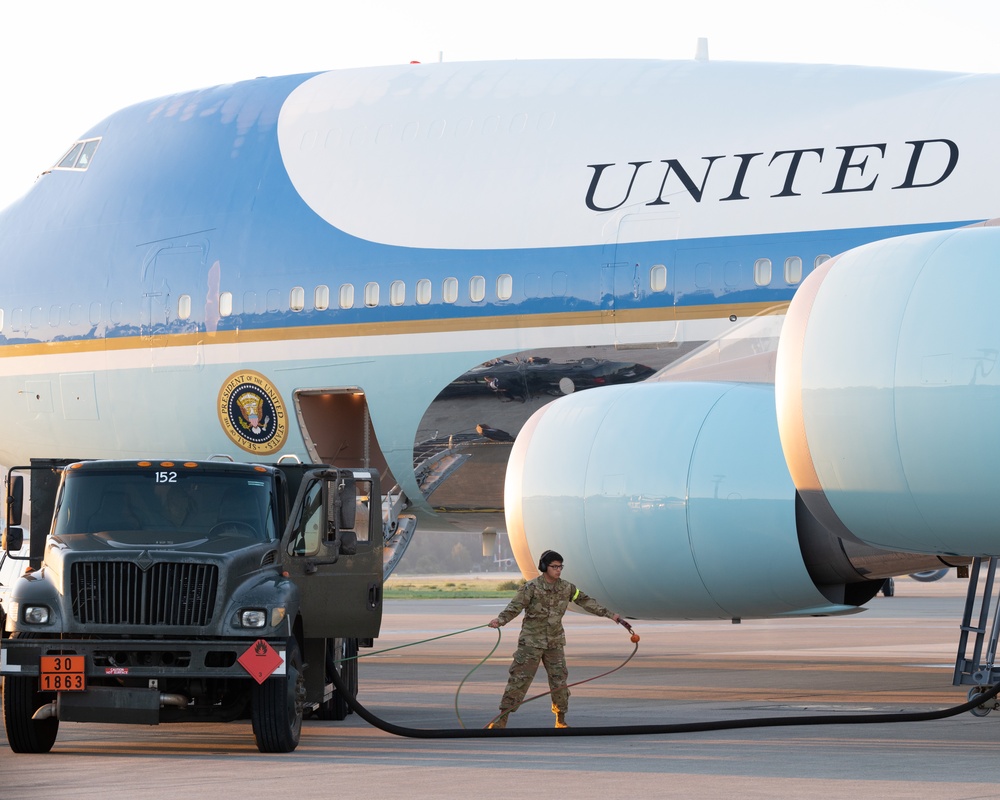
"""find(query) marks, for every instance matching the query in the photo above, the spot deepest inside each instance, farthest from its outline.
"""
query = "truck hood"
(174, 541)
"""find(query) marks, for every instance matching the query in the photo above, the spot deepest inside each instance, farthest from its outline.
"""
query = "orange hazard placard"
(260, 660)
(62, 674)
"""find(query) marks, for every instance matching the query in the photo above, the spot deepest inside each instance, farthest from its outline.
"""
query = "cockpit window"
(79, 156)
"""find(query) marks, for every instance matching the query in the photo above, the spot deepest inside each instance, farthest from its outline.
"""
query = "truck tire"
(276, 705)
(336, 707)
(21, 699)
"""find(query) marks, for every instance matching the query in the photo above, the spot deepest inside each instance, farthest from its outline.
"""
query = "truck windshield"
(192, 503)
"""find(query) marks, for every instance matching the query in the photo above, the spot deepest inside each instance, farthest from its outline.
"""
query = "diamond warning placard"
(261, 660)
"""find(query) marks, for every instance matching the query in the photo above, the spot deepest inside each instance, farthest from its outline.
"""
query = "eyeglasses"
(556, 566)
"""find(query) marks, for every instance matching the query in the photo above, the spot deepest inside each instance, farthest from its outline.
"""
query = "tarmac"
(897, 656)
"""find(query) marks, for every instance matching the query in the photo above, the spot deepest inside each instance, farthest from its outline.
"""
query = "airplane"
(629, 268)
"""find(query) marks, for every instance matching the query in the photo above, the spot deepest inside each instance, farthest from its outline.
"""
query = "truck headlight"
(253, 618)
(36, 615)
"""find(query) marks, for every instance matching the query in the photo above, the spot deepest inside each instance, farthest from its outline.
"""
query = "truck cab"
(182, 591)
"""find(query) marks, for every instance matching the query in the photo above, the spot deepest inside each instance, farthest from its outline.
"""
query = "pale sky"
(64, 66)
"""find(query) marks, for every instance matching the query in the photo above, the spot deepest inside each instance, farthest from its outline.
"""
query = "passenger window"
(423, 292)
(371, 294)
(477, 288)
(658, 277)
(321, 298)
(297, 298)
(820, 260)
(397, 293)
(347, 295)
(184, 306)
(505, 287)
(449, 290)
(762, 271)
(225, 304)
(793, 269)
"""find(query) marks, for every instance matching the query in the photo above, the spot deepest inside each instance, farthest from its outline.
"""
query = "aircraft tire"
(21, 699)
(276, 705)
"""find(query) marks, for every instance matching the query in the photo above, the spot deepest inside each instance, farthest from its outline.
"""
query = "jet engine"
(888, 390)
(672, 500)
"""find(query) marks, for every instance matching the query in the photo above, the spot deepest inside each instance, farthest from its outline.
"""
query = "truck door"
(333, 552)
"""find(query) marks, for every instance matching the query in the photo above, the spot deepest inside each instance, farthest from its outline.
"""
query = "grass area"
(432, 589)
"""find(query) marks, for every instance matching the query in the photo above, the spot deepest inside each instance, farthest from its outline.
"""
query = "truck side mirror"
(13, 538)
(15, 499)
(344, 499)
(348, 543)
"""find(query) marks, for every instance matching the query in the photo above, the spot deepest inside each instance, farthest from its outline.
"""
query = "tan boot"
(561, 719)
(499, 723)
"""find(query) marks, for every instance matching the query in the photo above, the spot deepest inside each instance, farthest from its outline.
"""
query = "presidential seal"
(252, 413)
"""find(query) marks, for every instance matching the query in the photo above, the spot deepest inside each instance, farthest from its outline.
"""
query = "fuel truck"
(169, 591)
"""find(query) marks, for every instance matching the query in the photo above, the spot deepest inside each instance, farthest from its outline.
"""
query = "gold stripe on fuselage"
(401, 328)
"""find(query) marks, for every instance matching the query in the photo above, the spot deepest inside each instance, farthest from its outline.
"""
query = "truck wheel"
(338, 650)
(21, 699)
(276, 705)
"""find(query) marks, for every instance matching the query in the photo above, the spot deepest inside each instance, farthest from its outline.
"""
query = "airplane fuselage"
(221, 271)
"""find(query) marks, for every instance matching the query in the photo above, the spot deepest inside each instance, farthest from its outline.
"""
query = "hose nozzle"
(626, 626)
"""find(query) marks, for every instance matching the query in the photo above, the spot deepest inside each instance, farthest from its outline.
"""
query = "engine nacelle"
(888, 390)
(667, 500)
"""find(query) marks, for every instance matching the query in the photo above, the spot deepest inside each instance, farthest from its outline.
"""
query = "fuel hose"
(651, 729)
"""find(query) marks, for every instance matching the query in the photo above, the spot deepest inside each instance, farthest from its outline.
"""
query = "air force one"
(725, 335)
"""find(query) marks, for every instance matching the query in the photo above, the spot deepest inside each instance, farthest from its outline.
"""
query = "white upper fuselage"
(541, 154)
(390, 229)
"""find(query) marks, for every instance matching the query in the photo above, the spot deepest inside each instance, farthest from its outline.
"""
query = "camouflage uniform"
(542, 638)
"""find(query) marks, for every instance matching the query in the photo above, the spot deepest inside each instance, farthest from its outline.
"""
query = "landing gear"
(277, 704)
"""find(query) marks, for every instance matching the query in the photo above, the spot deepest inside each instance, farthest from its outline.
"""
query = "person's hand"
(494, 623)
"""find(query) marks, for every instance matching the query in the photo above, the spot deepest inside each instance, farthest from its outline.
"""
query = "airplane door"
(641, 279)
(334, 554)
(174, 283)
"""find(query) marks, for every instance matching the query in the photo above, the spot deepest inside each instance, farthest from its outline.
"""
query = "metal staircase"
(978, 669)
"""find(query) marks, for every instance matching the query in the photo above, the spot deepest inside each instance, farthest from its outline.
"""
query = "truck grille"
(120, 593)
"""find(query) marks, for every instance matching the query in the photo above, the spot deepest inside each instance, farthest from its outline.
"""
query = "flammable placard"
(261, 660)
